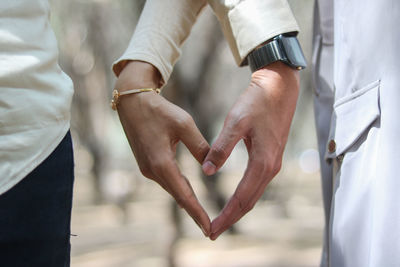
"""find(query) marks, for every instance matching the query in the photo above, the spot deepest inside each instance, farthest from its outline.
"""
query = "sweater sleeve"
(162, 28)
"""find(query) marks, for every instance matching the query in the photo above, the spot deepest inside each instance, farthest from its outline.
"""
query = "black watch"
(283, 48)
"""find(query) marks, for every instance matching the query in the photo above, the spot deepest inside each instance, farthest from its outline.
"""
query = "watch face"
(293, 52)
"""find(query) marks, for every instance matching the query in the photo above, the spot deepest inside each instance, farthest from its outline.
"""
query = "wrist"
(277, 72)
(138, 74)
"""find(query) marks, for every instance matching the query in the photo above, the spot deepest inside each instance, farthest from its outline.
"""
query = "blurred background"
(122, 219)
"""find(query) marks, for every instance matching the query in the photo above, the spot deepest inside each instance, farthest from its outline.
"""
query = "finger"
(243, 200)
(180, 188)
(194, 140)
(219, 220)
(221, 149)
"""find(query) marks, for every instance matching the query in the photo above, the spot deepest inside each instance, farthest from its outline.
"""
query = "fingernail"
(213, 237)
(209, 168)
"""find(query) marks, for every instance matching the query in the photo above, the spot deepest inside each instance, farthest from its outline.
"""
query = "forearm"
(163, 27)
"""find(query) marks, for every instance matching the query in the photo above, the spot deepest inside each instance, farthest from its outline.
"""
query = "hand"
(261, 117)
(154, 127)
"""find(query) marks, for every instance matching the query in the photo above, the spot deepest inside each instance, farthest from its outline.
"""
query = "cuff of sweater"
(164, 69)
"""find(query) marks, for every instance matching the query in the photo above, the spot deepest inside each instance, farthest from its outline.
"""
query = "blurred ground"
(283, 231)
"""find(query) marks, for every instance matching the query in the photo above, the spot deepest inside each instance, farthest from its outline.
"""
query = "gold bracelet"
(117, 95)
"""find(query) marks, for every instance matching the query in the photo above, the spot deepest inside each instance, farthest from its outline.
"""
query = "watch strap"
(283, 48)
(265, 55)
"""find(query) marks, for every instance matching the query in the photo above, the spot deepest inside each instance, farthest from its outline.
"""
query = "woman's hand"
(154, 126)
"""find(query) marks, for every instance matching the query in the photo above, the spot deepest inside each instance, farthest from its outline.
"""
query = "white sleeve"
(248, 23)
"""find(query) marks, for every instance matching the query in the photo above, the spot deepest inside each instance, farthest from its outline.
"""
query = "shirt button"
(331, 146)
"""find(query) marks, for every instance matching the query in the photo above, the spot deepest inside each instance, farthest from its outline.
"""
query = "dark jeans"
(35, 214)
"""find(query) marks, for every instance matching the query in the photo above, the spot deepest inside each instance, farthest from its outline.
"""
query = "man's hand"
(261, 117)
(154, 127)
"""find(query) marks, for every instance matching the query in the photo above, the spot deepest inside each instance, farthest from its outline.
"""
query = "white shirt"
(164, 26)
(35, 95)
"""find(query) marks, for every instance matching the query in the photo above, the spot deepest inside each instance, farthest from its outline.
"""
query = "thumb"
(194, 140)
(220, 150)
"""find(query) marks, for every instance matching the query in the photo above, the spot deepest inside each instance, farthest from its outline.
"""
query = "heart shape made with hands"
(261, 117)
(255, 179)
